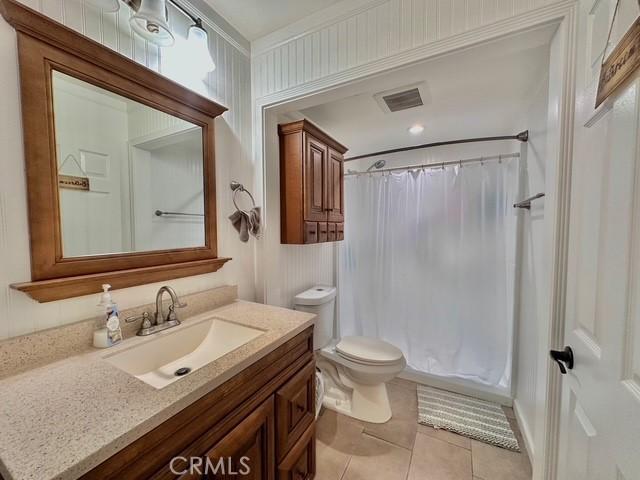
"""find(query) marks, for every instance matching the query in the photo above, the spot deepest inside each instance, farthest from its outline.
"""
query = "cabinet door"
(335, 187)
(295, 408)
(315, 160)
(248, 451)
(300, 463)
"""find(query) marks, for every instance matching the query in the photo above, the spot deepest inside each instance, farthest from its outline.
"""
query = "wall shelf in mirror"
(142, 142)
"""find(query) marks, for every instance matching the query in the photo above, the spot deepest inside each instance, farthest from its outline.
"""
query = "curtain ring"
(482, 161)
(500, 159)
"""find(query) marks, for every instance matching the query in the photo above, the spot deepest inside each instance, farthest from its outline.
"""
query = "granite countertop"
(63, 419)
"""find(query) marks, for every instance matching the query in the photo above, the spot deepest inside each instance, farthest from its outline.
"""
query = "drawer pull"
(301, 408)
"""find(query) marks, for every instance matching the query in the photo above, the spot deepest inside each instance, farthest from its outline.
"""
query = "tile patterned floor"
(400, 449)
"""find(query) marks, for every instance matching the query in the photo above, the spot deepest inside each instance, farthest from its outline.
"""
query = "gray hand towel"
(247, 224)
(240, 222)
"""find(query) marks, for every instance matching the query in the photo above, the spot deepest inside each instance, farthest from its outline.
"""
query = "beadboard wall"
(362, 32)
(348, 41)
(229, 84)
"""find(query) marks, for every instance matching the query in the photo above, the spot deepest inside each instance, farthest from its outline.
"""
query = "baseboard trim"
(463, 387)
(525, 430)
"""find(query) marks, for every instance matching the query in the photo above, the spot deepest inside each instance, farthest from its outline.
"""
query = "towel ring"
(237, 188)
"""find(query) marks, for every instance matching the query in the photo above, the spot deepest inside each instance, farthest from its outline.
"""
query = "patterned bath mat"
(473, 418)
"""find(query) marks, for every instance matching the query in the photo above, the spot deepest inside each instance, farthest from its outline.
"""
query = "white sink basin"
(188, 346)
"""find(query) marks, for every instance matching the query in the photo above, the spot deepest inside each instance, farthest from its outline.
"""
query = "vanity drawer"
(339, 231)
(300, 464)
(295, 409)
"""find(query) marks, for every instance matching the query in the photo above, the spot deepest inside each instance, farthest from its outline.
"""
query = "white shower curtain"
(428, 264)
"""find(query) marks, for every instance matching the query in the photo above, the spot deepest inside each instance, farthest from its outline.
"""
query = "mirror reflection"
(130, 177)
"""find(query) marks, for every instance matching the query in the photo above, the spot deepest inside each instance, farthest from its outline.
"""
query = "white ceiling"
(483, 91)
(256, 18)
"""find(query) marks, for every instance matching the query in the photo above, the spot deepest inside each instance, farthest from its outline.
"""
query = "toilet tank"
(321, 301)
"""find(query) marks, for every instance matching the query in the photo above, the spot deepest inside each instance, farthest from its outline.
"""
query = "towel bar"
(526, 203)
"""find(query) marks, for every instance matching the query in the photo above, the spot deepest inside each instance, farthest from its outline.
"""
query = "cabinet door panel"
(314, 179)
(335, 187)
(300, 463)
(248, 451)
(295, 408)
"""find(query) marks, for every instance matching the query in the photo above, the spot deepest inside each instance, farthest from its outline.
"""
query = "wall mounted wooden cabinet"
(98, 131)
(311, 185)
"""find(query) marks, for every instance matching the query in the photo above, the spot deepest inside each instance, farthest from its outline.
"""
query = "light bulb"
(198, 42)
(150, 22)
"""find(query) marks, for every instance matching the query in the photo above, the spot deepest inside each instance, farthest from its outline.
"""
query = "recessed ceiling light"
(416, 130)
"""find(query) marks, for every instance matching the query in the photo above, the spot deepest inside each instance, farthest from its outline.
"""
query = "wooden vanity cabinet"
(311, 184)
(248, 450)
(263, 418)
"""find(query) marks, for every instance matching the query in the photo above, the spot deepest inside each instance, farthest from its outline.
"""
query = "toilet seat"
(368, 351)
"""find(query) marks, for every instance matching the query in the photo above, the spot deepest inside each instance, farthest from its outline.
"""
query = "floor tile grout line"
(346, 467)
(386, 441)
(411, 457)
(447, 441)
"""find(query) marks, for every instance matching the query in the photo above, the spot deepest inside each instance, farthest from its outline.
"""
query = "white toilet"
(353, 369)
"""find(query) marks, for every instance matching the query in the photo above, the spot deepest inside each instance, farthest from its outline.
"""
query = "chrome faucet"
(160, 320)
(175, 303)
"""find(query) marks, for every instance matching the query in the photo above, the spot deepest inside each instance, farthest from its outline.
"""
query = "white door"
(600, 429)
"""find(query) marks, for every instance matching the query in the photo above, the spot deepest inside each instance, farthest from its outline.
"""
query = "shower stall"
(429, 265)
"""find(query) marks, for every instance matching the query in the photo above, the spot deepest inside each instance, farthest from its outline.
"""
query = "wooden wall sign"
(622, 62)
(73, 183)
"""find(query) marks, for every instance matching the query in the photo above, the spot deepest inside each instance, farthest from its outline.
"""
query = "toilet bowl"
(354, 370)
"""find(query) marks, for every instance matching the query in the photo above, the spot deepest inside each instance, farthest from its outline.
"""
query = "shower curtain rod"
(506, 156)
(522, 136)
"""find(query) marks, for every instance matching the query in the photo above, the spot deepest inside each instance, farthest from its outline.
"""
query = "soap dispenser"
(111, 333)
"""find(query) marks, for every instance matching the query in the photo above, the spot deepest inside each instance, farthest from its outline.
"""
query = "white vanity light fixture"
(150, 22)
(416, 129)
(109, 6)
(198, 42)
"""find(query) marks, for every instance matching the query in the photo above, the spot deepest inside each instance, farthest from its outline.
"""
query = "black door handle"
(564, 359)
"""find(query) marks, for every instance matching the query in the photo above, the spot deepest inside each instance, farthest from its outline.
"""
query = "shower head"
(378, 165)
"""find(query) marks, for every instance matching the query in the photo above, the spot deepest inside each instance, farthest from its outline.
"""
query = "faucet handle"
(145, 317)
(172, 315)
(180, 304)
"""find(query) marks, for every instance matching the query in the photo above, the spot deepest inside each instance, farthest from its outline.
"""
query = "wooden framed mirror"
(120, 166)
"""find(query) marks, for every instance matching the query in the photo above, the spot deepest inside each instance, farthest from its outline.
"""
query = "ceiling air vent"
(403, 100)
